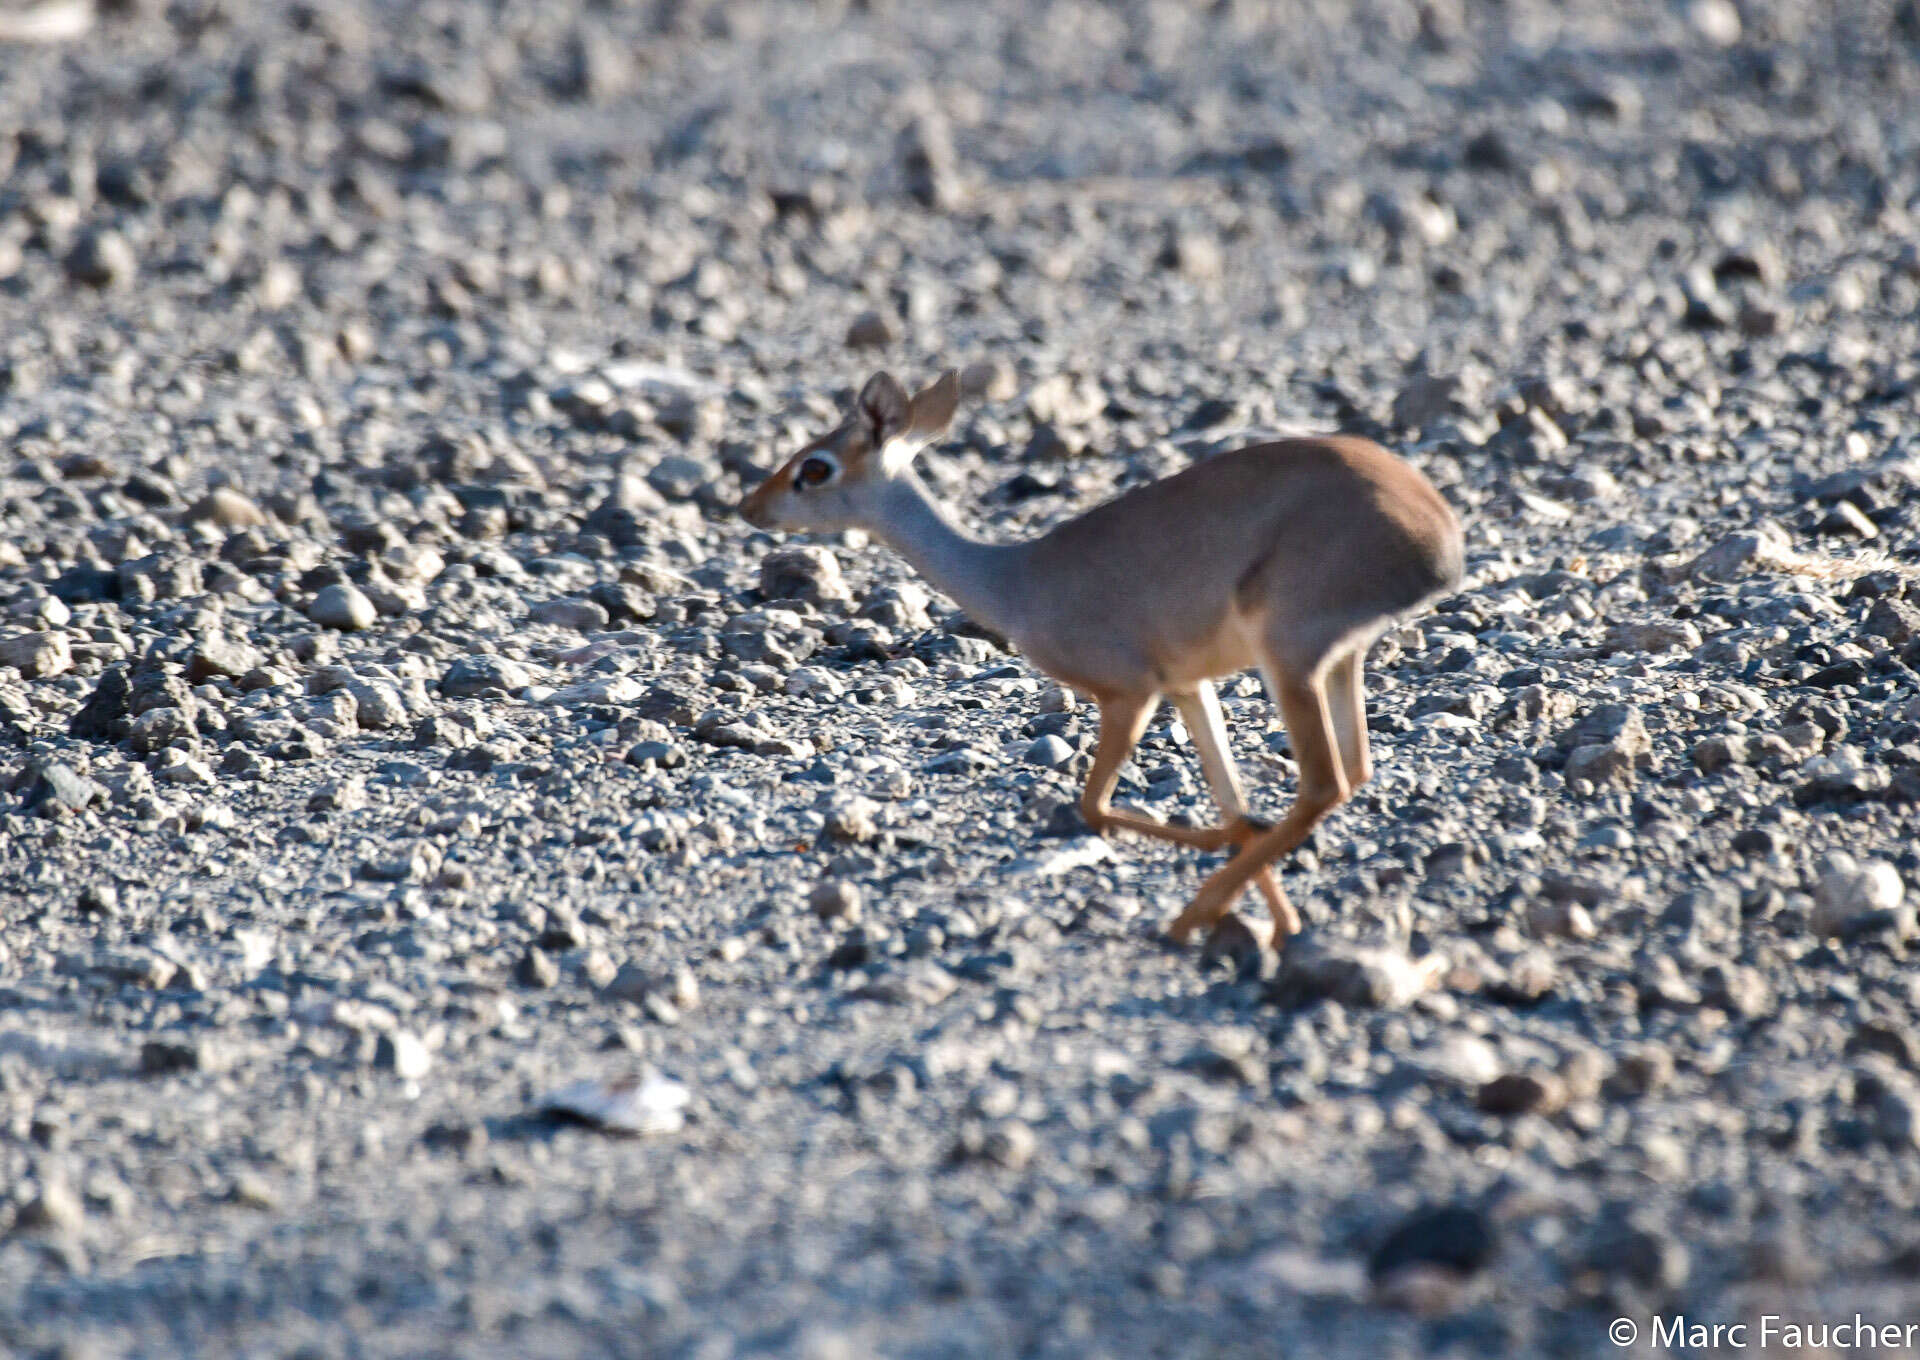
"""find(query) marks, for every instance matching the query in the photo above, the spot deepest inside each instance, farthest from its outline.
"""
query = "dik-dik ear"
(884, 406)
(932, 408)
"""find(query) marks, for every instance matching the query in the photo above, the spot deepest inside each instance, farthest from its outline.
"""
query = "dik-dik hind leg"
(1200, 711)
(1122, 720)
(1347, 704)
(1323, 787)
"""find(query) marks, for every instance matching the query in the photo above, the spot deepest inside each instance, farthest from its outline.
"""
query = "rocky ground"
(399, 734)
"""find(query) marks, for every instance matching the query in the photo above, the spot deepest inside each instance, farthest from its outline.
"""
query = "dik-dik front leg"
(1200, 711)
(1121, 723)
(1122, 720)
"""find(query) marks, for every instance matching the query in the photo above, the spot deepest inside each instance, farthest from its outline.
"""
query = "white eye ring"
(815, 470)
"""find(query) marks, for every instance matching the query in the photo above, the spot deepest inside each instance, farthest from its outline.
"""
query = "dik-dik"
(1293, 556)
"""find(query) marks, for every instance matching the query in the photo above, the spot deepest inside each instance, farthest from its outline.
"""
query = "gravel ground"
(399, 733)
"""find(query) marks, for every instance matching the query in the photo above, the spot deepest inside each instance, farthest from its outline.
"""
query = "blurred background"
(1261, 185)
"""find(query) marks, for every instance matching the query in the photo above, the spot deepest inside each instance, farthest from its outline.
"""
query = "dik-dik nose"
(753, 506)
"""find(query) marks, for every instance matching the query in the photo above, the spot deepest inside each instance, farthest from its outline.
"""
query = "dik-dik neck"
(985, 579)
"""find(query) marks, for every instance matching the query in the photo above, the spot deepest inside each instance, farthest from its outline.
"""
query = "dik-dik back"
(1330, 534)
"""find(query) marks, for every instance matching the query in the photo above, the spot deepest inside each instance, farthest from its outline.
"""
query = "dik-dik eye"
(815, 471)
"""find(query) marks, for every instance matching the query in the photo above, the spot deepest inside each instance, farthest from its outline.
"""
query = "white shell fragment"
(637, 1103)
(1079, 853)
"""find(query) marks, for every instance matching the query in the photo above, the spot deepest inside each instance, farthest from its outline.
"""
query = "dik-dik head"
(836, 481)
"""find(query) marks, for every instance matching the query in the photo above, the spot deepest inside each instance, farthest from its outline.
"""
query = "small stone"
(679, 476)
(655, 755)
(1551, 919)
(1227, 1056)
(624, 602)
(989, 380)
(1244, 944)
(54, 1209)
(225, 508)
(1761, 317)
(104, 716)
(1717, 21)
(1194, 255)
(37, 655)
(1528, 978)
(338, 795)
(803, 572)
(456, 1136)
(641, 1103)
(1893, 1099)
(1489, 150)
(1057, 699)
(1600, 765)
(663, 994)
(660, 1008)
(484, 676)
(1066, 399)
(1614, 723)
(1608, 746)
(929, 165)
(872, 330)
(536, 969)
(1891, 1040)
(1842, 775)
(1517, 1093)
(561, 932)
(1585, 484)
(1049, 752)
(1641, 1070)
(1763, 548)
(343, 607)
(1894, 621)
(1455, 1238)
(1425, 400)
(1661, 983)
(1529, 440)
(1715, 754)
(403, 1054)
(250, 1192)
(218, 656)
(1847, 520)
(56, 788)
(1354, 975)
(1646, 1256)
(1050, 443)
(160, 1057)
(1010, 1144)
(1740, 991)
(812, 682)
(851, 820)
(102, 259)
(624, 517)
(159, 728)
(377, 705)
(1658, 635)
(1852, 899)
(154, 687)
(99, 899)
(835, 900)
(596, 69)
(414, 865)
(582, 616)
(53, 21)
